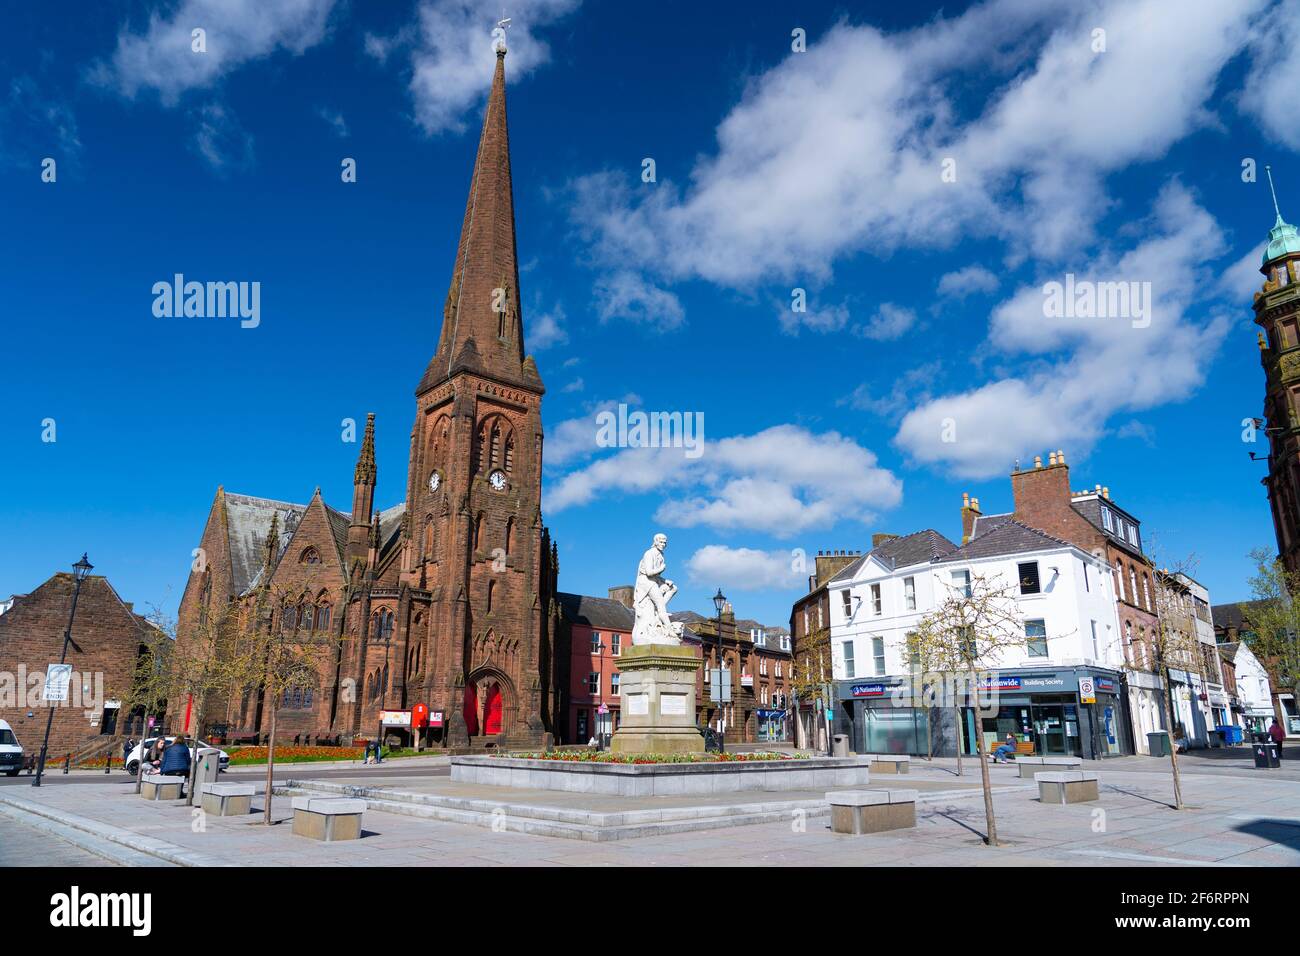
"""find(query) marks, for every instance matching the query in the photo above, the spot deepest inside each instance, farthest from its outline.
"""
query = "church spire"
(363, 494)
(482, 329)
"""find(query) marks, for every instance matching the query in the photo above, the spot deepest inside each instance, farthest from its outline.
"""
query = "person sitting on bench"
(1005, 750)
(176, 759)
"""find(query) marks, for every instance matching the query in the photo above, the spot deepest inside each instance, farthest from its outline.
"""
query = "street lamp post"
(79, 572)
(600, 693)
(719, 602)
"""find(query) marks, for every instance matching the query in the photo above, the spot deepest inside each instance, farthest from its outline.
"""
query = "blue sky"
(776, 170)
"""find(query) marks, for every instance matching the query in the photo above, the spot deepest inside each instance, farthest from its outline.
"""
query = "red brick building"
(107, 637)
(594, 631)
(446, 598)
(810, 619)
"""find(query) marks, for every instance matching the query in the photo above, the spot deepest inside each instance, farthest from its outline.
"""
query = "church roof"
(248, 520)
(486, 261)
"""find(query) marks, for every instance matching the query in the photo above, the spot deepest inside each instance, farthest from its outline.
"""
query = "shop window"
(1036, 637)
(1028, 573)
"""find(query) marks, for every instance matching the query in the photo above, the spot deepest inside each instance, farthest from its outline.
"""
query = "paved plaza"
(1238, 816)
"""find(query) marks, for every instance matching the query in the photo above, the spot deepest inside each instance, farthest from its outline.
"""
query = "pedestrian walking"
(1277, 735)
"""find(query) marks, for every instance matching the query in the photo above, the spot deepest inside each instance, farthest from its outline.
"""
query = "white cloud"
(829, 318)
(782, 480)
(220, 139)
(626, 295)
(546, 329)
(840, 149)
(1275, 75)
(452, 55)
(577, 385)
(161, 57)
(968, 281)
(745, 569)
(336, 121)
(890, 322)
(1084, 370)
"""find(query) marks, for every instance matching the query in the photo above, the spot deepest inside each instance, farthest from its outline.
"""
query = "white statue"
(650, 599)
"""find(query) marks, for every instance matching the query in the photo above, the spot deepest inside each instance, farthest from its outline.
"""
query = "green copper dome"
(1282, 238)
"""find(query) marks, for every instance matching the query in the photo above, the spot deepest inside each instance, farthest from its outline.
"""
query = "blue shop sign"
(1105, 685)
(869, 690)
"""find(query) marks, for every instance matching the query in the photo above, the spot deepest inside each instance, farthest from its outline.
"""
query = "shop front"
(771, 725)
(1074, 712)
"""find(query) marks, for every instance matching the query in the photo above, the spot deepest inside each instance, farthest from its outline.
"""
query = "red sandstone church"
(448, 598)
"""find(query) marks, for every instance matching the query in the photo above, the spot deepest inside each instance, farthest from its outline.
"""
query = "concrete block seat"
(227, 799)
(1067, 786)
(328, 818)
(872, 811)
(891, 763)
(1031, 765)
(157, 786)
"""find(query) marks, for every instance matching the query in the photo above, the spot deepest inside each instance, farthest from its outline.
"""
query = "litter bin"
(1266, 756)
(1215, 738)
(209, 765)
(1231, 734)
(1158, 742)
(840, 745)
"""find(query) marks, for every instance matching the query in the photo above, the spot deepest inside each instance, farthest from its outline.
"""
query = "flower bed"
(599, 756)
(247, 755)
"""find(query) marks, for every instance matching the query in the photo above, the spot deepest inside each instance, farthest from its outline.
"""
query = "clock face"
(498, 480)
(434, 481)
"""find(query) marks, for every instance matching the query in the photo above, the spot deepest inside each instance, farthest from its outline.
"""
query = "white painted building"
(1254, 693)
(1066, 604)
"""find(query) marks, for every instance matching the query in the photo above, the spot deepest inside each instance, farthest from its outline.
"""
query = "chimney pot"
(1038, 461)
(1105, 493)
(965, 499)
(1051, 459)
(1060, 457)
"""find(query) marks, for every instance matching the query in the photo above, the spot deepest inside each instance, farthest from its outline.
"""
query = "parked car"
(11, 751)
(133, 759)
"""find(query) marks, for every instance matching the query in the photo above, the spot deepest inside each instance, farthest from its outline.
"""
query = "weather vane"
(499, 33)
(1268, 172)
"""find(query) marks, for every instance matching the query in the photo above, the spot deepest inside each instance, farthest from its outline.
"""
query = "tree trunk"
(985, 783)
(270, 766)
(957, 714)
(1173, 748)
(194, 756)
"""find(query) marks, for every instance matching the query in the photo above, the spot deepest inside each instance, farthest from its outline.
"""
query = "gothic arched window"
(478, 531)
(309, 556)
(427, 553)
(510, 534)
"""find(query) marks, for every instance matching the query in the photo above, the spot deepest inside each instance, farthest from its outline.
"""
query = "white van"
(11, 752)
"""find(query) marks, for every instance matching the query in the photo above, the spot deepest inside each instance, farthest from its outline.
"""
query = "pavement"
(1237, 816)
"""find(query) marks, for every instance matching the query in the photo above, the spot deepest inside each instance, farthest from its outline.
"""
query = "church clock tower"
(476, 558)
(1277, 312)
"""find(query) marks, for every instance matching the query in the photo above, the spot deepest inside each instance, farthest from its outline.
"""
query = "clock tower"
(1277, 312)
(476, 558)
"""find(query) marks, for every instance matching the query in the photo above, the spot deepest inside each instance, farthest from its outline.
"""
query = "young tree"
(149, 687)
(1176, 646)
(1274, 619)
(809, 671)
(965, 635)
(280, 657)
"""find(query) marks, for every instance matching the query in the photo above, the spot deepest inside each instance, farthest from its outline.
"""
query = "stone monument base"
(657, 689)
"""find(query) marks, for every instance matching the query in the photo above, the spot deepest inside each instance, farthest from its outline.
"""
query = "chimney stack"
(970, 510)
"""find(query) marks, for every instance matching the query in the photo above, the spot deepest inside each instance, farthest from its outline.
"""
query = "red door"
(492, 710)
(471, 709)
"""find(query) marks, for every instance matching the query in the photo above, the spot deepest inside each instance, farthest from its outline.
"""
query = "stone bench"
(1032, 765)
(155, 786)
(871, 811)
(1068, 786)
(328, 818)
(227, 799)
(890, 763)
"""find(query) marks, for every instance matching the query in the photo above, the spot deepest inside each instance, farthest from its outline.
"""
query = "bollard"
(108, 763)
(67, 763)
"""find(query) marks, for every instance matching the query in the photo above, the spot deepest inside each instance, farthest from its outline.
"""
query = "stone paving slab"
(1233, 825)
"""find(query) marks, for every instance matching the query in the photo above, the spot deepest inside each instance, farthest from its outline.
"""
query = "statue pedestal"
(657, 689)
